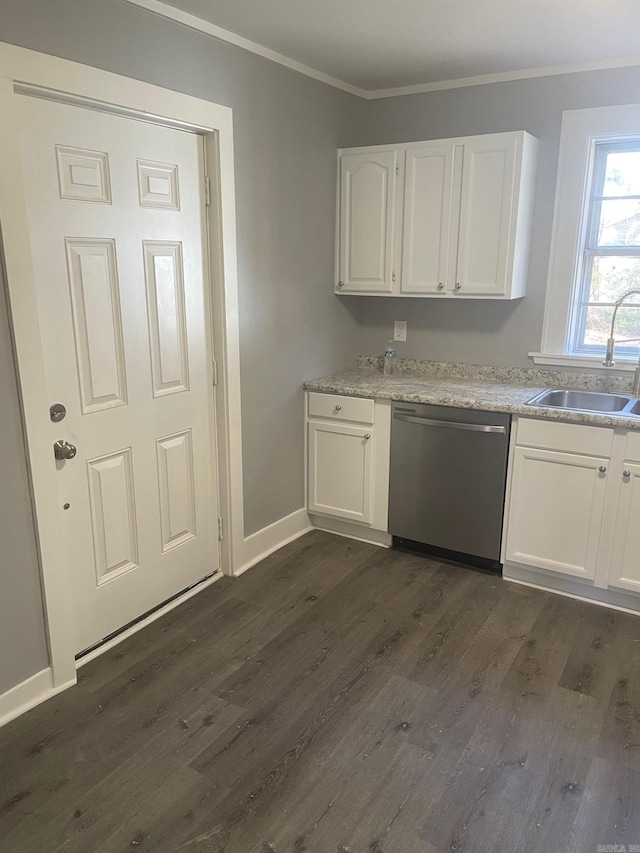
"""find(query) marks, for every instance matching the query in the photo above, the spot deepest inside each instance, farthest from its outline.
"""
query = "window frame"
(582, 131)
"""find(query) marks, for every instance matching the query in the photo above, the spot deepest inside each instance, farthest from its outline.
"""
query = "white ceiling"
(381, 44)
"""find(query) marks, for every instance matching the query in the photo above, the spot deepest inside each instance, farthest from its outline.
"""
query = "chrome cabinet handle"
(440, 285)
(626, 473)
(602, 469)
(458, 285)
(63, 450)
(338, 408)
(367, 436)
(341, 284)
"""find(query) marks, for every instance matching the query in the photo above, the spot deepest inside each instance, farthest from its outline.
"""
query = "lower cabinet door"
(556, 511)
(625, 556)
(340, 470)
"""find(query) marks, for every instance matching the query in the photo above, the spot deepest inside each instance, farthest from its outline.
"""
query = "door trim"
(71, 82)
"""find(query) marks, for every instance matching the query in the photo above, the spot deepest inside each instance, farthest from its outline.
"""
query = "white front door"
(116, 225)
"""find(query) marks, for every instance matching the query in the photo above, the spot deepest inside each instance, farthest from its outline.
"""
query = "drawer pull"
(602, 469)
(626, 474)
(367, 436)
(338, 408)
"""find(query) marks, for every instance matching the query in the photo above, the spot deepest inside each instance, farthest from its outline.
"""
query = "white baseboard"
(264, 542)
(351, 530)
(538, 579)
(28, 694)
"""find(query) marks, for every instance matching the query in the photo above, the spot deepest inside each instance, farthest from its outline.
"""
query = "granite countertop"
(465, 393)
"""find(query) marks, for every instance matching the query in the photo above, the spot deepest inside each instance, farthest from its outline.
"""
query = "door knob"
(63, 450)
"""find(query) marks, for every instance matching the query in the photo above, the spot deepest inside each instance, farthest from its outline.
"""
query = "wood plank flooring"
(341, 698)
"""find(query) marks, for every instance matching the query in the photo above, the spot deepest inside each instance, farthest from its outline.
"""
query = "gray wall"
(23, 646)
(500, 333)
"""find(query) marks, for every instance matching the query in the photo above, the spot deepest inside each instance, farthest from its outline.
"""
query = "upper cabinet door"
(428, 189)
(487, 215)
(367, 222)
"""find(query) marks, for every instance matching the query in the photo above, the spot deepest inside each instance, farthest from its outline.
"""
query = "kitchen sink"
(587, 401)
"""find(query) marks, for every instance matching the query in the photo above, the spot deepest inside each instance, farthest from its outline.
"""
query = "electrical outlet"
(399, 330)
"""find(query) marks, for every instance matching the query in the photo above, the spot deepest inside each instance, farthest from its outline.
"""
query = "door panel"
(485, 215)
(167, 324)
(427, 215)
(367, 221)
(97, 323)
(556, 510)
(116, 211)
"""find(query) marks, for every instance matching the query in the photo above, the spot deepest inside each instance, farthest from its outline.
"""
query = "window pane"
(619, 223)
(613, 276)
(622, 173)
(598, 326)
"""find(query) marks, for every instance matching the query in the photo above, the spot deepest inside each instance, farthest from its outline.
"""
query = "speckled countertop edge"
(460, 393)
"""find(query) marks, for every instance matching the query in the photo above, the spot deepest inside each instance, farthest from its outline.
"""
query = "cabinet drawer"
(337, 407)
(573, 438)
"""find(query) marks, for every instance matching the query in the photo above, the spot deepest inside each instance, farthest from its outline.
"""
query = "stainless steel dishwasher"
(447, 482)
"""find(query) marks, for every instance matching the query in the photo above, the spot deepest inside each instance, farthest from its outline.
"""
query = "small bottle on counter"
(389, 366)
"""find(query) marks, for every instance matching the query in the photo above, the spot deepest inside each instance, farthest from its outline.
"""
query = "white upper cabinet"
(368, 200)
(486, 215)
(428, 193)
(463, 213)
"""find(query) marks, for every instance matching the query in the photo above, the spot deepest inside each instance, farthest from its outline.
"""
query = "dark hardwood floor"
(341, 698)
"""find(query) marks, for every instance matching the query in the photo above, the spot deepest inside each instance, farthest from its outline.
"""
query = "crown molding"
(195, 23)
(506, 77)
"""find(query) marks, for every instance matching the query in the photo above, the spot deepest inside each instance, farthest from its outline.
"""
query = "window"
(595, 257)
(610, 262)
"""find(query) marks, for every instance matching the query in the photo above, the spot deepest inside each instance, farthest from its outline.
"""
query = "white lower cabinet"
(556, 510)
(573, 508)
(348, 446)
(340, 469)
(625, 556)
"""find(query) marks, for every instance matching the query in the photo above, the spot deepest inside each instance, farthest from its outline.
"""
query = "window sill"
(622, 365)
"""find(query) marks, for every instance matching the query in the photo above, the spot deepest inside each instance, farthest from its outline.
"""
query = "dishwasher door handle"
(415, 419)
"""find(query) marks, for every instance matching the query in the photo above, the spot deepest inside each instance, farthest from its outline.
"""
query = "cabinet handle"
(367, 436)
(458, 285)
(440, 286)
(341, 284)
(338, 408)
(626, 473)
(602, 469)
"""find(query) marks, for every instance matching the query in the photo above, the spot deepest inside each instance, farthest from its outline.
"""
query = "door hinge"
(220, 529)
(393, 276)
(397, 168)
(207, 191)
(214, 365)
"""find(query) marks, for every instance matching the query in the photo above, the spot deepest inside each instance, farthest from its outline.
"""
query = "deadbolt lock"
(57, 412)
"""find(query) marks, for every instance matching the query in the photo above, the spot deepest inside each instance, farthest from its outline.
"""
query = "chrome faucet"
(611, 342)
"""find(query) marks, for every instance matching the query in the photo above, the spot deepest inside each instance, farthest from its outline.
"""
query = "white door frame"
(69, 82)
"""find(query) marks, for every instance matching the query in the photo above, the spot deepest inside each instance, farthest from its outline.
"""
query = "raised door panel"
(556, 511)
(340, 463)
(427, 219)
(367, 222)
(486, 214)
(625, 559)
